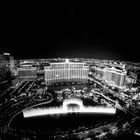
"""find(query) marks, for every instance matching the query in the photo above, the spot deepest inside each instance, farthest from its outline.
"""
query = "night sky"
(70, 30)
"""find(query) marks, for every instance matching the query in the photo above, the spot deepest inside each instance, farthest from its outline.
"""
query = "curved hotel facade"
(112, 75)
(66, 72)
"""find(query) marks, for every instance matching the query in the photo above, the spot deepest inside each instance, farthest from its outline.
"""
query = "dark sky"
(70, 30)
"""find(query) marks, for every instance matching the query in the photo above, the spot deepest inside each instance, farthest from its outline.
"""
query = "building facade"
(66, 72)
(27, 73)
(4, 59)
(112, 76)
(5, 73)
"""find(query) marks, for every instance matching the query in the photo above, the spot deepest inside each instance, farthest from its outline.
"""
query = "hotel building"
(27, 73)
(113, 76)
(66, 72)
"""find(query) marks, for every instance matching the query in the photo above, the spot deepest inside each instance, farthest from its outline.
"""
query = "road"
(117, 104)
(49, 100)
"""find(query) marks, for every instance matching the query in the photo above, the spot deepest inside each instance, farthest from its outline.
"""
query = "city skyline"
(101, 97)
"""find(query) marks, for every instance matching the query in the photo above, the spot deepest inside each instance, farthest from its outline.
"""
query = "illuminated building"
(113, 76)
(66, 72)
(99, 72)
(5, 67)
(28, 73)
(5, 59)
